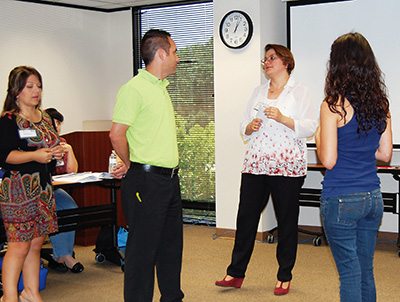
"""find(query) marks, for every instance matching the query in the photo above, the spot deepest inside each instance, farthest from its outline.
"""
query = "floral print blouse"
(276, 149)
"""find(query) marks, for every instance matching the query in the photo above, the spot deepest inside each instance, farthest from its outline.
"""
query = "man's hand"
(119, 170)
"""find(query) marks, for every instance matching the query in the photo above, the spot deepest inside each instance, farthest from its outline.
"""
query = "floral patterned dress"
(26, 194)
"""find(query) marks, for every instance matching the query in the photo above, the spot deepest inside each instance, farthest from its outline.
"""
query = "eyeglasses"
(270, 58)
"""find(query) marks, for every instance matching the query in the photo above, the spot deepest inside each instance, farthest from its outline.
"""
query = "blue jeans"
(351, 224)
(63, 243)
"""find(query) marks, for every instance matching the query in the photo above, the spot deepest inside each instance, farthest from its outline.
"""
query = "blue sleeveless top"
(355, 170)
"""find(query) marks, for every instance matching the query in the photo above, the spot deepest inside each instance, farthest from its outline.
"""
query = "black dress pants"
(153, 210)
(254, 194)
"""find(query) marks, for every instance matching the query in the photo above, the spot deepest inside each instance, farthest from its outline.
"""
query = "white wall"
(83, 56)
(119, 59)
(236, 74)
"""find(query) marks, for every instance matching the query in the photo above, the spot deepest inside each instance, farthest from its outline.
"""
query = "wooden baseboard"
(228, 233)
(263, 236)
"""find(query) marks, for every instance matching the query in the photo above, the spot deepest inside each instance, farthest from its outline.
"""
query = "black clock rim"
(250, 29)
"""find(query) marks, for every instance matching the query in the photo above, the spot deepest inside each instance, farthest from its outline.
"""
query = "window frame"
(137, 25)
(137, 64)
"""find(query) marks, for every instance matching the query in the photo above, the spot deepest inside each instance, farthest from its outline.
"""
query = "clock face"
(236, 29)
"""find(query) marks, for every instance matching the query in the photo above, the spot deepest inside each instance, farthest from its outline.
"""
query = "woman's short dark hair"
(55, 114)
(16, 83)
(153, 40)
(284, 54)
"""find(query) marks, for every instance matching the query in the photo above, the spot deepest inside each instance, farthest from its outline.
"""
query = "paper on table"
(81, 177)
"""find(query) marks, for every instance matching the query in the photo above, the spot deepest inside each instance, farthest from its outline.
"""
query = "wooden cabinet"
(92, 149)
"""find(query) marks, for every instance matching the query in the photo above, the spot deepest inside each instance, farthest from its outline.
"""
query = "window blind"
(192, 92)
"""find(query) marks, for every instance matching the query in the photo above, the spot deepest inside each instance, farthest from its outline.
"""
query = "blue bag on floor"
(122, 238)
(42, 276)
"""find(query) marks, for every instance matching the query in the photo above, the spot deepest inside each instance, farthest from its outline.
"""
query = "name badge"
(27, 133)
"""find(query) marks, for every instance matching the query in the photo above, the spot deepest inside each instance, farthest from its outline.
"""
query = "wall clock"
(236, 29)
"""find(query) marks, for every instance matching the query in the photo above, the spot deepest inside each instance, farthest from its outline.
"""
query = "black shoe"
(61, 267)
(77, 268)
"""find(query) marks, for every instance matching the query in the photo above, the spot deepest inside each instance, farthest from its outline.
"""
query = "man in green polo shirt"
(144, 136)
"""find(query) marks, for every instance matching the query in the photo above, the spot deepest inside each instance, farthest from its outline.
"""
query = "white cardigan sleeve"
(307, 122)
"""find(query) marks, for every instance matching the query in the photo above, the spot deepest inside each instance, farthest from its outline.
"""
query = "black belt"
(171, 172)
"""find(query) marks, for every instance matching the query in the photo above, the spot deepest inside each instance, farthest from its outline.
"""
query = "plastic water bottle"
(112, 161)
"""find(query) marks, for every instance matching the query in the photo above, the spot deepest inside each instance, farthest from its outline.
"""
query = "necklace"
(25, 116)
(279, 88)
(40, 129)
(272, 91)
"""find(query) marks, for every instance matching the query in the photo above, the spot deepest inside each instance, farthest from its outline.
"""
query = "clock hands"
(237, 24)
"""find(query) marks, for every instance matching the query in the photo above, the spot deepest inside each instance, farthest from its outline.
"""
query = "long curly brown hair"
(354, 74)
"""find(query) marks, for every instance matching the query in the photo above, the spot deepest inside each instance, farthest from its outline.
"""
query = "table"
(86, 217)
(90, 216)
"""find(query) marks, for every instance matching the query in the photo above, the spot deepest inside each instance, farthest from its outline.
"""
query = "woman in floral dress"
(280, 115)
(29, 148)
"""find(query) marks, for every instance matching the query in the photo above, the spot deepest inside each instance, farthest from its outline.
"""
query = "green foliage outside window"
(192, 90)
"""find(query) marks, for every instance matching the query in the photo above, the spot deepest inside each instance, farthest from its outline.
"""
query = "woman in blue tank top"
(355, 131)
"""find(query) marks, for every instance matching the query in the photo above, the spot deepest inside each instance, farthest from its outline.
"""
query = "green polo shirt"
(144, 105)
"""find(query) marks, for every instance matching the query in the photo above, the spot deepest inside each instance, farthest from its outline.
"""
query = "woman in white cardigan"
(279, 117)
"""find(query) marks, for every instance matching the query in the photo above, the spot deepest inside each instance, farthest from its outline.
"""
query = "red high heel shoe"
(279, 290)
(235, 282)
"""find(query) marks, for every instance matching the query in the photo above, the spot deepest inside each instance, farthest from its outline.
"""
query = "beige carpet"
(205, 260)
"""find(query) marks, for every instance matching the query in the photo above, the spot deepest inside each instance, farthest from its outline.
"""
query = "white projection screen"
(314, 25)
